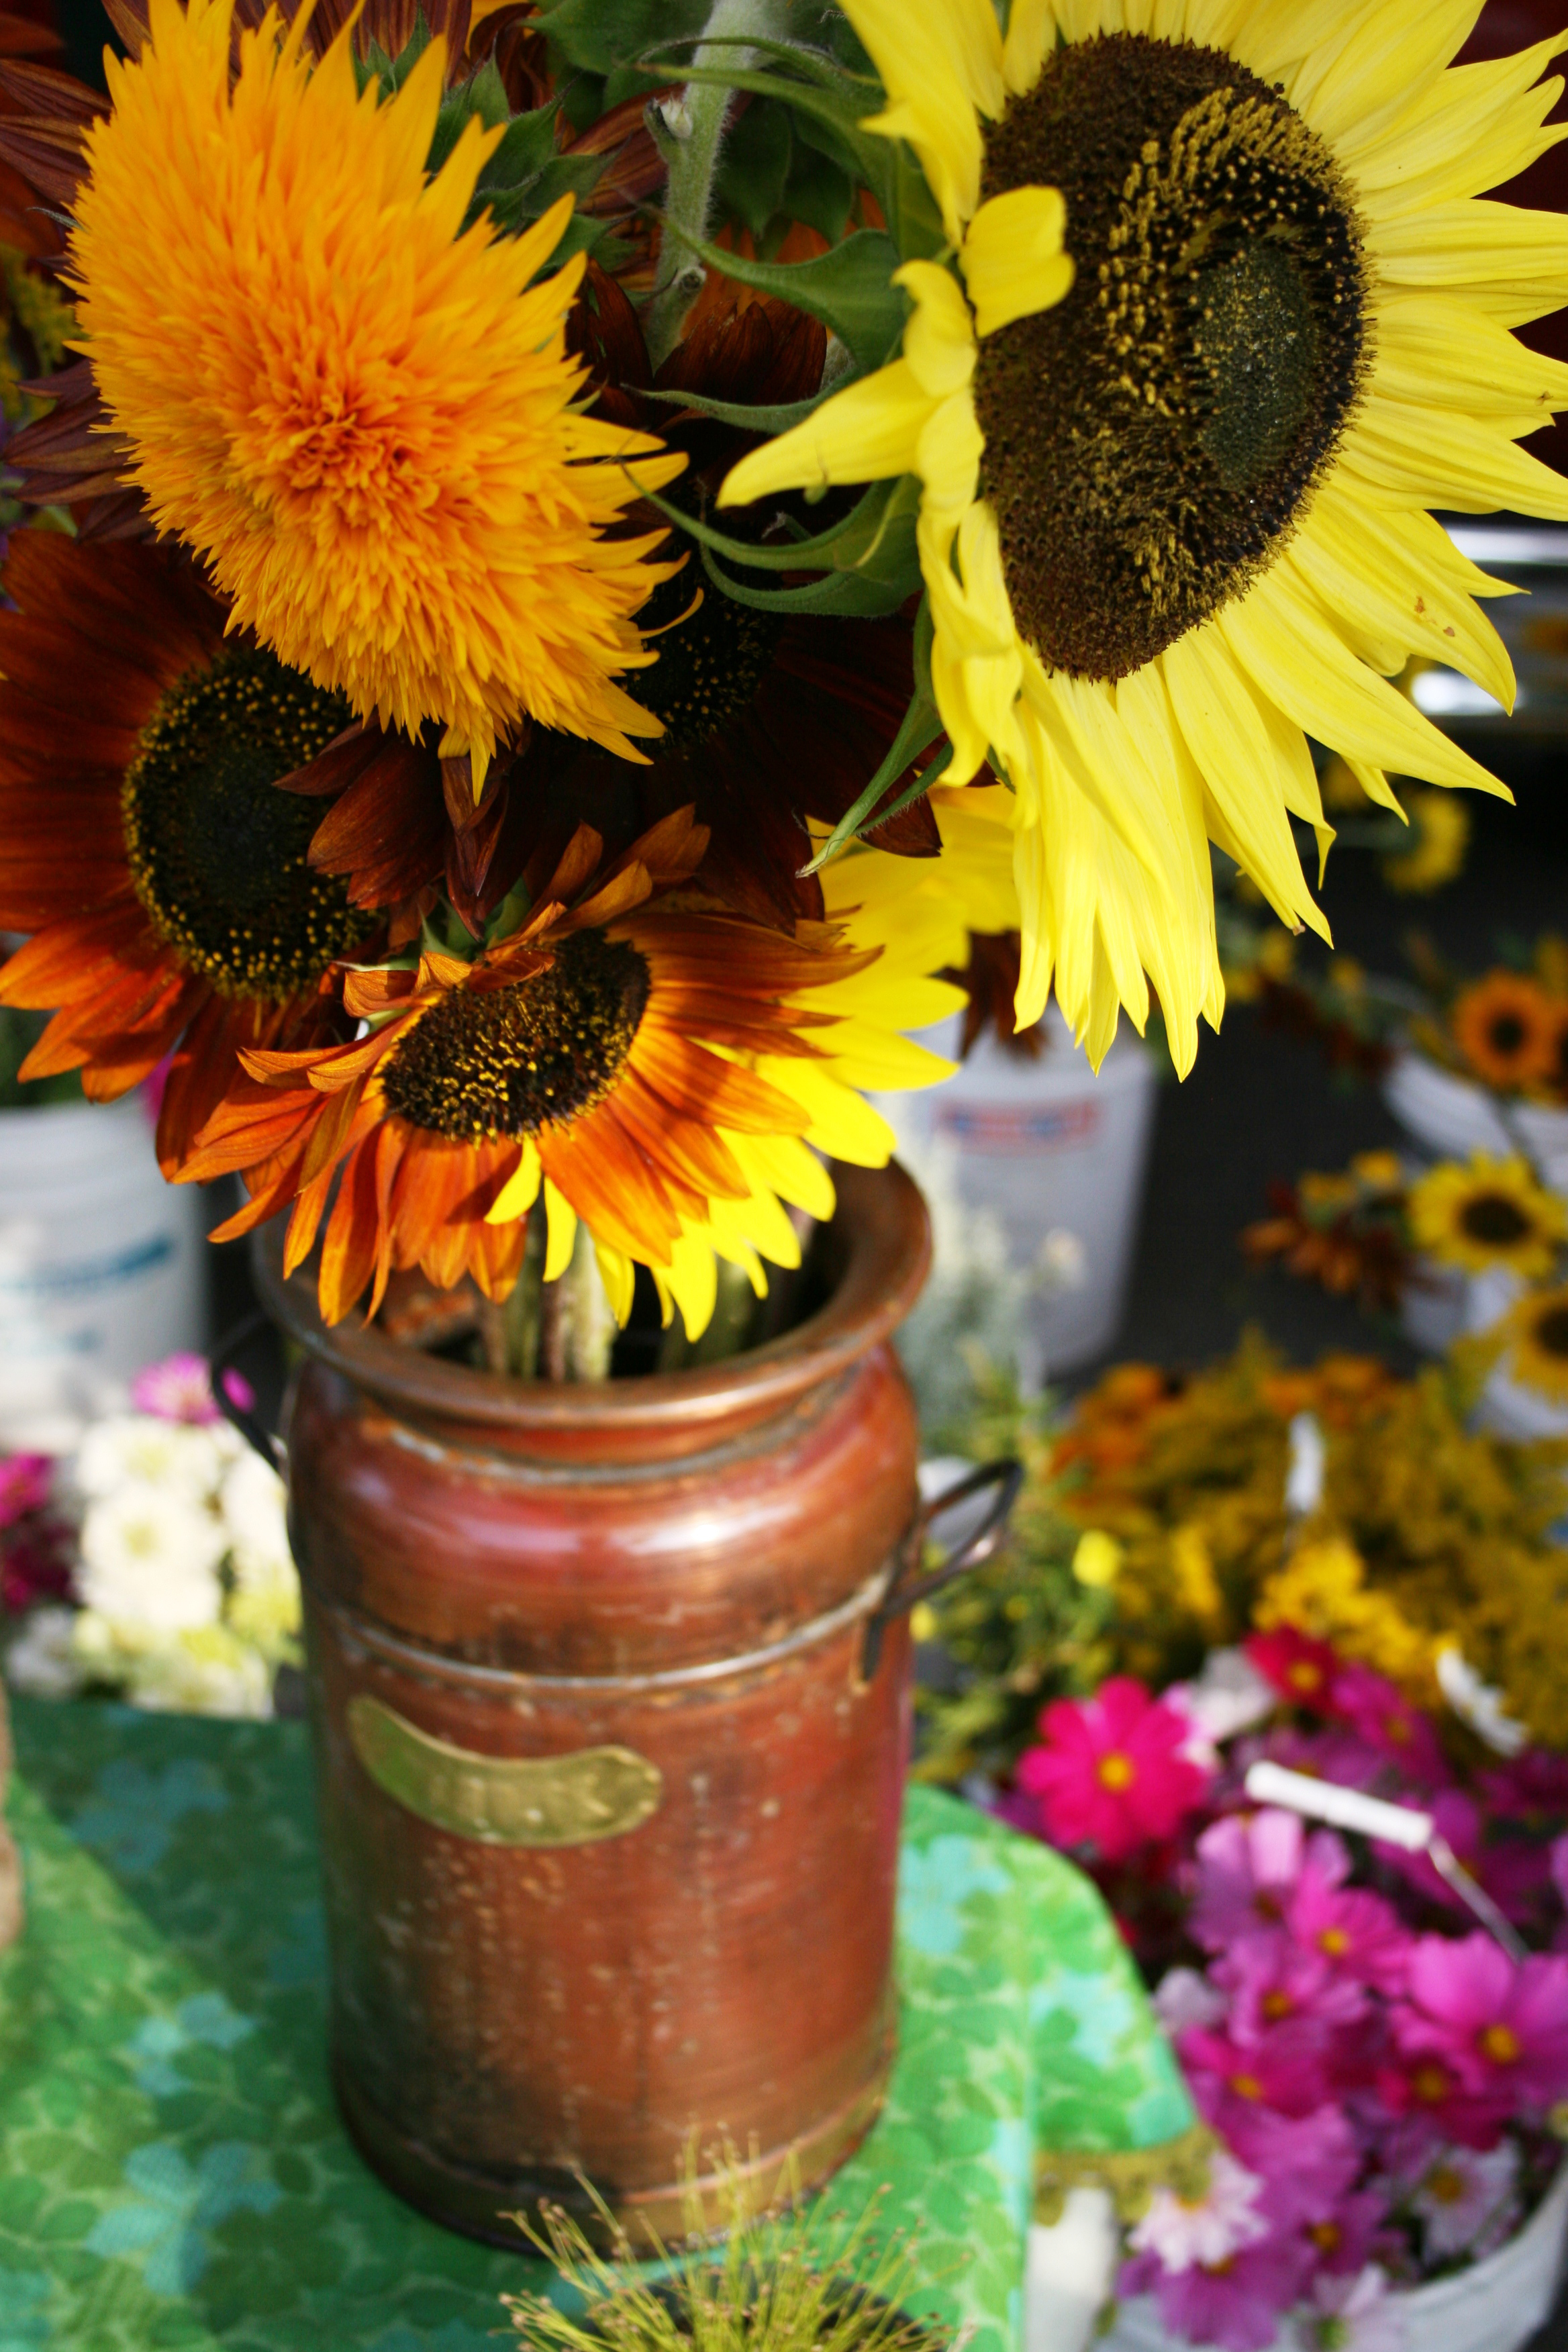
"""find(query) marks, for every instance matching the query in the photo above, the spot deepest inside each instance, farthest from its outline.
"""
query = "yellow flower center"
(1445, 2184)
(1276, 2005)
(509, 1060)
(1246, 2086)
(1500, 2043)
(1336, 1942)
(1430, 2083)
(1151, 439)
(1116, 1771)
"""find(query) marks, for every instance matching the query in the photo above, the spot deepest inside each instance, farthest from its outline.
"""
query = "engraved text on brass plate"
(595, 1792)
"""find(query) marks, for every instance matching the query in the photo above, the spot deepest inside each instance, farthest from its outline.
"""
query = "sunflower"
(770, 720)
(369, 432)
(1224, 320)
(1489, 1213)
(1503, 1025)
(165, 885)
(630, 1059)
(1535, 1337)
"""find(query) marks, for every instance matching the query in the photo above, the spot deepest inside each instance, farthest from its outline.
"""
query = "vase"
(1496, 2306)
(1450, 1117)
(610, 1702)
(101, 1266)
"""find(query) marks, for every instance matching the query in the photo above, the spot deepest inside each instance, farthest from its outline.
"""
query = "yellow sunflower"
(1488, 1214)
(358, 411)
(1223, 320)
(1535, 1336)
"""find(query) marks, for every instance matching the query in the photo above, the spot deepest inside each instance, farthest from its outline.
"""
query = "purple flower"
(1236, 2303)
(1247, 1869)
(1421, 2088)
(1355, 1933)
(1378, 1711)
(1501, 2025)
(1279, 1987)
(25, 1480)
(1531, 1790)
(1342, 2238)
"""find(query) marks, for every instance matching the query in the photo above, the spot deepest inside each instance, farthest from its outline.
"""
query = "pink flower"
(1420, 2087)
(1111, 1774)
(1236, 2303)
(1356, 2315)
(25, 1481)
(1531, 1789)
(1501, 2025)
(1300, 1669)
(1342, 2237)
(177, 1388)
(1283, 1987)
(1355, 1933)
(1183, 2230)
(1378, 1712)
(1247, 1869)
(1459, 2192)
(1306, 2164)
(1281, 2071)
(36, 1563)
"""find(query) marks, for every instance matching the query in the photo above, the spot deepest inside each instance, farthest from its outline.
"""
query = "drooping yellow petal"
(941, 64)
(561, 1232)
(1012, 257)
(520, 1191)
(864, 434)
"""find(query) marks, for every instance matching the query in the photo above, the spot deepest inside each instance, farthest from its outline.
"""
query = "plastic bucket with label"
(1049, 1149)
(1450, 1117)
(101, 1264)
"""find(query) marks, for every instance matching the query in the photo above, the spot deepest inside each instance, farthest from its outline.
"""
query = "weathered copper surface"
(679, 1569)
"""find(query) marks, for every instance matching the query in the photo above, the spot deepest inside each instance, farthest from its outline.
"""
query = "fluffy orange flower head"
(360, 413)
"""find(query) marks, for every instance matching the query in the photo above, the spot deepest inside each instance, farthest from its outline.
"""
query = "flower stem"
(689, 127)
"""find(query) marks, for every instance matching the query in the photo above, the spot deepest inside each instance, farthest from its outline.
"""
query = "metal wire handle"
(907, 1587)
(238, 1415)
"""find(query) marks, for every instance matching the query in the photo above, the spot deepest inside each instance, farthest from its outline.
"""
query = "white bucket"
(1450, 1117)
(1433, 1307)
(1048, 1148)
(1496, 2307)
(101, 1264)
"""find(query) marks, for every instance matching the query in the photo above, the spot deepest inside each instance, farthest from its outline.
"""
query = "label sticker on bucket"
(1018, 1127)
(540, 1800)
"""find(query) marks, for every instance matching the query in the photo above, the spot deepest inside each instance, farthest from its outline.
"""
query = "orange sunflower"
(1504, 1027)
(164, 884)
(597, 1057)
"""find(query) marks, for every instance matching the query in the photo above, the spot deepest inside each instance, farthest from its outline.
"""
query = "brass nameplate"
(595, 1792)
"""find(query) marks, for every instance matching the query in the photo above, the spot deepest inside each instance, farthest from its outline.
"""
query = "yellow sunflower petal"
(561, 1231)
(1012, 257)
(618, 1275)
(938, 337)
(520, 1191)
(864, 434)
(941, 64)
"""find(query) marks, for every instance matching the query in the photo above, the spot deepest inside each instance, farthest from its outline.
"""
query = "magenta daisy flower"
(1111, 1774)
(1282, 2071)
(1249, 1868)
(1355, 1933)
(1300, 1669)
(1378, 1711)
(1278, 1986)
(1501, 2025)
(1236, 2303)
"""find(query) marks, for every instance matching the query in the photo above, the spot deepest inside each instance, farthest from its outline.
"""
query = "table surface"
(175, 2174)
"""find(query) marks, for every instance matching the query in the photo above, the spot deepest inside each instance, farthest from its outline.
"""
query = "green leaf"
(921, 727)
(818, 191)
(777, 419)
(750, 183)
(830, 99)
(393, 72)
(598, 35)
(849, 288)
(516, 208)
(848, 545)
(527, 145)
(844, 596)
(875, 563)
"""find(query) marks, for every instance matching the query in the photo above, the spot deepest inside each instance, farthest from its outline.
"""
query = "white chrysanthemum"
(254, 1507)
(206, 1671)
(1458, 2194)
(139, 1449)
(150, 1559)
(40, 1663)
(1206, 2229)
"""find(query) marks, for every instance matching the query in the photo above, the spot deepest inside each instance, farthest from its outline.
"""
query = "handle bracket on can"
(908, 1587)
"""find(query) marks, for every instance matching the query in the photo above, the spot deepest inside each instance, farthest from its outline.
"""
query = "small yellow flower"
(1536, 1334)
(1488, 1214)
(1379, 1172)
(1097, 1561)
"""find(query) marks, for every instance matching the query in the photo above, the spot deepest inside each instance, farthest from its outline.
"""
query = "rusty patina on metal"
(504, 1581)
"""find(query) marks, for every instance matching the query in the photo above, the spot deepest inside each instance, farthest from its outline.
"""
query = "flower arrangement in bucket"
(588, 611)
(1381, 2075)
(151, 1564)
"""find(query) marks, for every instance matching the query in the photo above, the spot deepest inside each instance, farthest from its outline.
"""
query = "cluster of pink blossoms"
(1379, 2073)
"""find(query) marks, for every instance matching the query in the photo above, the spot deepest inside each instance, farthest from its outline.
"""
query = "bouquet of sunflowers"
(605, 540)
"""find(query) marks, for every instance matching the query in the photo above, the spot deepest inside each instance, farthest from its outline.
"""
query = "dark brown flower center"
(1551, 1332)
(217, 856)
(1150, 441)
(1506, 1036)
(709, 665)
(488, 1062)
(1494, 1219)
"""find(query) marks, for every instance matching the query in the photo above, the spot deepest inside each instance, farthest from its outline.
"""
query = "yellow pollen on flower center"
(1305, 1676)
(1246, 2086)
(1325, 2234)
(1445, 2184)
(1116, 1771)
(1277, 2005)
(1430, 2082)
(1334, 1941)
(1500, 2043)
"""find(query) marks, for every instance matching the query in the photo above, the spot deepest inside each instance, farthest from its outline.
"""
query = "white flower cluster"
(190, 1597)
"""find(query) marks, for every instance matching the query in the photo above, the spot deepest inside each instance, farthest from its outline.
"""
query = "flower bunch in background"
(1156, 1524)
(1379, 2077)
(1505, 1029)
(187, 1596)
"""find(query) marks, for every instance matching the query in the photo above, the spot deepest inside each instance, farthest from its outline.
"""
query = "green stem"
(691, 130)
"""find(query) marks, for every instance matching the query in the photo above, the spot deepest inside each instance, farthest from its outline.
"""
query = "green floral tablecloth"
(172, 2173)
